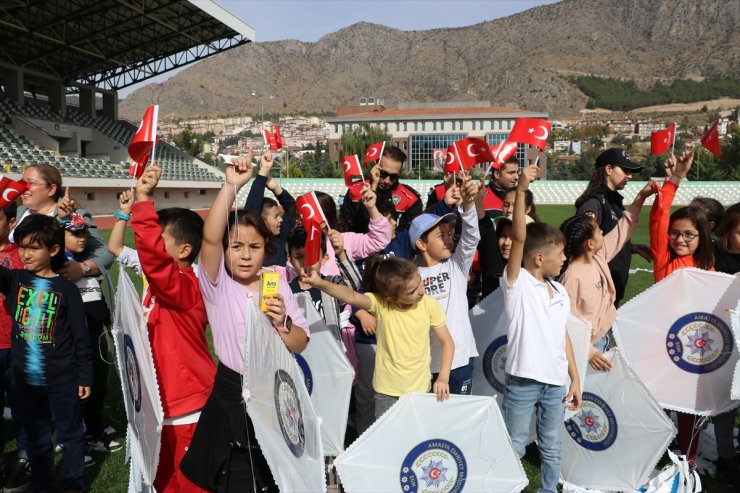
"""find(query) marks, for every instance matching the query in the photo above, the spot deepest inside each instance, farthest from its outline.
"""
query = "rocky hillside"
(517, 61)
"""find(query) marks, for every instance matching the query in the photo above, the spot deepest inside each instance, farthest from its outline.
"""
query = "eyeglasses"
(687, 235)
(34, 183)
(390, 176)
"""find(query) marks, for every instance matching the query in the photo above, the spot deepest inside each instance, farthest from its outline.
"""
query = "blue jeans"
(522, 396)
(461, 379)
(605, 342)
(37, 405)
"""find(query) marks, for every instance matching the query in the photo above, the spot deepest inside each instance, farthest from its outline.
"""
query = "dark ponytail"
(577, 231)
(596, 184)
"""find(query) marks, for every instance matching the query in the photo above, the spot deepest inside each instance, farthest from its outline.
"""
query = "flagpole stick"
(673, 144)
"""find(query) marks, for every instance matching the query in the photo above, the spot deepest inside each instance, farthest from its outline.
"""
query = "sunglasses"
(390, 176)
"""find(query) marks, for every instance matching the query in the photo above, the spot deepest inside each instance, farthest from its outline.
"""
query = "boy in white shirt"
(445, 278)
(539, 353)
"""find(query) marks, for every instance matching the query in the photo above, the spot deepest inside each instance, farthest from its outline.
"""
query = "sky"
(309, 20)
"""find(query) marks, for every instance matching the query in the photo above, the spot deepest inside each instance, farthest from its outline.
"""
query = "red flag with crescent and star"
(374, 152)
(10, 190)
(662, 140)
(352, 170)
(452, 164)
(313, 242)
(501, 152)
(278, 139)
(310, 210)
(143, 141)
(532, 131)
(710, 141)
(472, 151)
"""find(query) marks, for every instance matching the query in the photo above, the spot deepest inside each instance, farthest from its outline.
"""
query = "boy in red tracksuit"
(168, 241)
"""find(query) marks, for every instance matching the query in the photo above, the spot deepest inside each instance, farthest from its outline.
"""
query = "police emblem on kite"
(677, 337)
(421, 445)
(278, 403)
(614, 441)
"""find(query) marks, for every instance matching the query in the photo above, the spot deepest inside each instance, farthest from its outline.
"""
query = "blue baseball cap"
(424, 222)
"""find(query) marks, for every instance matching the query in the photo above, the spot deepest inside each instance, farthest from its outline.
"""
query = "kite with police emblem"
(328, 376)
(677, 337)
(278, 403)
(489, 329)
(139, 382)
(618, 435)
(421, 445)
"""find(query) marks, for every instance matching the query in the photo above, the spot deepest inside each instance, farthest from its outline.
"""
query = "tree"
(356, 141)
(189, 142)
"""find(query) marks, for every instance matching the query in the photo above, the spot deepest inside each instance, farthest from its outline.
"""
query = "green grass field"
(110, 474)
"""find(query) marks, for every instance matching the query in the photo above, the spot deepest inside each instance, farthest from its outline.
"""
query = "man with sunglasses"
(384, 180)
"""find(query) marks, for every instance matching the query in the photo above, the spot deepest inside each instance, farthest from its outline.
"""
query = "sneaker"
(105, 446)
(18, 475)
(58, 448)
(89, 461)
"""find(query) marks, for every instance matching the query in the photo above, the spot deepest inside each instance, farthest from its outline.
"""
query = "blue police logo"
(133, 375)
(699, 342)
(494, 363)
(594, 427)
(290, 415)
(307, 375)
(434, 465)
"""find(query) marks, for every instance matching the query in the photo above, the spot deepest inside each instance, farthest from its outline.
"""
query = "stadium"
(54, 51)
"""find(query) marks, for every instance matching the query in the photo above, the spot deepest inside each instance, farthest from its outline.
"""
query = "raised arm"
(118, 232)
(360, 246)
(519, 226)
(257, 191)
(627, 224)
(238, 174)
(470, 235)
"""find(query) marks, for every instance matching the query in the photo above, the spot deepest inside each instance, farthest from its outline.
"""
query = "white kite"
(489, 329)
(614, 441)
(328, 376)
(677, 337)
(285, 423)
(139, 382)
(421, 445)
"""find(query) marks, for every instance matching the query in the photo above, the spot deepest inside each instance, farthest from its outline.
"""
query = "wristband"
(286, 326)
(122, 215)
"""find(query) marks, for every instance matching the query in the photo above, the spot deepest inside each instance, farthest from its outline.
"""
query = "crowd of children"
(396, 299)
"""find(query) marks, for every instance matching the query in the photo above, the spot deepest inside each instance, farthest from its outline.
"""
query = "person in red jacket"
(168, 241)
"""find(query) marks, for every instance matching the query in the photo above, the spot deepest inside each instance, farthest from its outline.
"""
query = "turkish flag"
(313, 242)
(501, 152)
(710, 141)
(532, 131)
(374, 152)
(271, 139)
(309, 209)
(662, 140)
(278, 139)
(10, 190)
(352, 170)
(452, 164)
(472, 151)
(143, 142)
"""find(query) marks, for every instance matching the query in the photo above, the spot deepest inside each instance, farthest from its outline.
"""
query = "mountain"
(520, 61)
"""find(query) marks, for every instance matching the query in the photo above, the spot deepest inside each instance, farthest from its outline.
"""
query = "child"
(395, 297)
(126, 256)
(98, 317)
(444, 275)
(681, 239)
(587, 278)
(168, 242)
(224, 453)
(9, 258)
(280, 225)
(52, 361)
(540, 356)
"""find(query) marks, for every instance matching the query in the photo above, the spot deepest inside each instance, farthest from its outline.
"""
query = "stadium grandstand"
(55, 49)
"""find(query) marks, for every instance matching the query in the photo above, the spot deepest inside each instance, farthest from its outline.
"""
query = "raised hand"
(125, 201)
(369, 198)
(685, 160)
(148, 182)
(527, 176)
(266, 163)
(66, 205)
(469, 190)
(240, 170)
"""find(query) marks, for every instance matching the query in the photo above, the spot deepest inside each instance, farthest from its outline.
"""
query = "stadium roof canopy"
(113, 44)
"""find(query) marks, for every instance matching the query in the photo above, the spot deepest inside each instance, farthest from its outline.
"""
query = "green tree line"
(624, 95)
